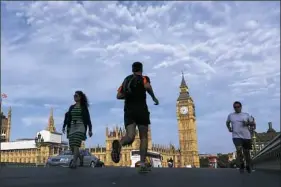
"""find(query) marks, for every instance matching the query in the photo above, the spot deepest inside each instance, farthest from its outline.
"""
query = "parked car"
(65, 159)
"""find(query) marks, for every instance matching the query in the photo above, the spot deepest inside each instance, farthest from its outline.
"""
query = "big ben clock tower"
(187, 127)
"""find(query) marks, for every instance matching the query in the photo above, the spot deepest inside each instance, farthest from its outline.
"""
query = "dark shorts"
(137, 115)
(245, 143)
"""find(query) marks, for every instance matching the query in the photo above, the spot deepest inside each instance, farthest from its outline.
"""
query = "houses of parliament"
(29, 151)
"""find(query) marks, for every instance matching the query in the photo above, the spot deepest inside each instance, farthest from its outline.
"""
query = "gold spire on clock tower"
(51, 124)
(187, 127)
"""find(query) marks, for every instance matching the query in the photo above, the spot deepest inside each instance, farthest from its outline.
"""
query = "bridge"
(266, 164)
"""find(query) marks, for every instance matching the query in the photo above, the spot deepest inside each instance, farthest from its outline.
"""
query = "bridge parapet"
(269, 157)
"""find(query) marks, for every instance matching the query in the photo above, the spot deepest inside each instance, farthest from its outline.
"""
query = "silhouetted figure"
(133, 91)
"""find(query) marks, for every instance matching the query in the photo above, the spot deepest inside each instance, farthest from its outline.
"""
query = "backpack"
(131, 83)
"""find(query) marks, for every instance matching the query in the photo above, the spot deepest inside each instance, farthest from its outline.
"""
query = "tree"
(223, 161)
(232, 164)
(204, 162)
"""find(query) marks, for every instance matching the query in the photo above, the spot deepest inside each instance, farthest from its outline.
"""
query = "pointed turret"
(51, 123)
(270, 128)
(9, 124)
(106, 131)
(183, 83)
(10, 112)
(184, 93)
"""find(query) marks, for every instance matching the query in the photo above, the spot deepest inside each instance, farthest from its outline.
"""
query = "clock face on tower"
(184, 110)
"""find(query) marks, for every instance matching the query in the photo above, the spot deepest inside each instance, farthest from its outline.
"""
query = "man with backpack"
(133, 91)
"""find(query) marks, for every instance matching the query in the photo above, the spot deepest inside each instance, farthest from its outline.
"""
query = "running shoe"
(249, 169)
(81, 163)
(116, 150)
(144, 169)
(242, 168)
(72, 165)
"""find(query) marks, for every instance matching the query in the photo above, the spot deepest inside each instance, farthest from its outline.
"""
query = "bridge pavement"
(123, 177)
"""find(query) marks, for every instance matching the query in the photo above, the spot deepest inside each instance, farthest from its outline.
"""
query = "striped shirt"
(76, 114)
(77, 124)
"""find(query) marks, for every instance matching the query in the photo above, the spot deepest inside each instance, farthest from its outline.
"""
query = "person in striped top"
(77, 121)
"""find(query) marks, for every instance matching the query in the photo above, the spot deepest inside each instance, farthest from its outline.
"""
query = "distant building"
(213, 159)
(262, 139)
(5, 131)
(232, 156)
(27, 150)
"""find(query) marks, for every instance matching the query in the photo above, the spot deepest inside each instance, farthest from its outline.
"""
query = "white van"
(154, 159)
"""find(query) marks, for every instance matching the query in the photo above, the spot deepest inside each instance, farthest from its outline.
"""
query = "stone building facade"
(28, 151)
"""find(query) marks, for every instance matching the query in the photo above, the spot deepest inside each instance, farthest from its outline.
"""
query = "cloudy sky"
(228, 51)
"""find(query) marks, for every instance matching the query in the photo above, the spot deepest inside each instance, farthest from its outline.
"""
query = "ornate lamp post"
(252, 128)
(39, 140)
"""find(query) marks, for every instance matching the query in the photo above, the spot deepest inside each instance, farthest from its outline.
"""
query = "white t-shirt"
(239, 130)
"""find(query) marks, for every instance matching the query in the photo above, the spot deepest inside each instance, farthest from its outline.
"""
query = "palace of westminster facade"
(28, 151)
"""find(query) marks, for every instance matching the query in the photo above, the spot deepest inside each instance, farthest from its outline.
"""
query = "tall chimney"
(269, 125)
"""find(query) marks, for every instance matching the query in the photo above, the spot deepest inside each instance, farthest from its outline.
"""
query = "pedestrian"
(239, 124)
(136, 114)
(78, 121)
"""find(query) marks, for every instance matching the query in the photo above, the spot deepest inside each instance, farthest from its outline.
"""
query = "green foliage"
(223, 161)
(232, 164)
(204, 162)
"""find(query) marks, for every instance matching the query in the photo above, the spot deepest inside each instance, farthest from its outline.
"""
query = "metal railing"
(270, 156)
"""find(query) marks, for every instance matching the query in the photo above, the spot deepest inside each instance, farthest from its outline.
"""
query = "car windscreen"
(66, 153)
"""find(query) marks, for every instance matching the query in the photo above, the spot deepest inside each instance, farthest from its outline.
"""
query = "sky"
(228, 50)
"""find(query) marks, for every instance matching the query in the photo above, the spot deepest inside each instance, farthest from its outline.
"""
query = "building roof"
(23, 139)
(16, 145)
(268, 135)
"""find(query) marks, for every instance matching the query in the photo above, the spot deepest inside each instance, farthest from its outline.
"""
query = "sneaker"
(242, 167)
(116, 150)
(249, 169)
(81, 163)
(144, 169)
(72, 165)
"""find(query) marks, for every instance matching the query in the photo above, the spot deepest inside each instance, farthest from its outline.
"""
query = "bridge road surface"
(128, 177)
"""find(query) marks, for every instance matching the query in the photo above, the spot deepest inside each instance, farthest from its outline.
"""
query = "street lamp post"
(39, 140)
(255, 143)
(252, 128)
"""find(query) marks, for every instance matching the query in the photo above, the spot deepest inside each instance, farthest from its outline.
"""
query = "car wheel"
(92, 164)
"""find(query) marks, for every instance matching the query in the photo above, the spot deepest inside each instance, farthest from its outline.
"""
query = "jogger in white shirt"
(238, 123)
